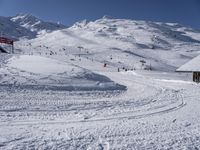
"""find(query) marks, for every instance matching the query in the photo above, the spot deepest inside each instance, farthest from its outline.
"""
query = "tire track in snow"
(49, 116)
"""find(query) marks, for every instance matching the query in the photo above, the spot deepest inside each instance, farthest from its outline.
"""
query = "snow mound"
(40, 65)
(36, 72)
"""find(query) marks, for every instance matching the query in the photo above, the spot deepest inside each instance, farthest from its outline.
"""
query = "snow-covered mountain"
(35, 24)
(122, 43)
(12, 30)
(26, 26)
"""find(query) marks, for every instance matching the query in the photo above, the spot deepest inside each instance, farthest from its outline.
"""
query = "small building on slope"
(193, 66)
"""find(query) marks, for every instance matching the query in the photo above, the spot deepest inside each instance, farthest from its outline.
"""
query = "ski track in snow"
(104, 105)
(96, 119)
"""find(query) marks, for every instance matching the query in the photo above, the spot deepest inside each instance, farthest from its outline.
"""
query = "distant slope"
(122, 43)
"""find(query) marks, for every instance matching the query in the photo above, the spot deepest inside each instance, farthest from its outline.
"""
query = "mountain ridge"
(26, 26)
(35, 24)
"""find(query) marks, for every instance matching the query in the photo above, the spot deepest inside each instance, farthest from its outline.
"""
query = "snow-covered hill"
(122, 43)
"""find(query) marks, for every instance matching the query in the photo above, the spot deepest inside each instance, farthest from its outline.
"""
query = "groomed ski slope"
(153, 113)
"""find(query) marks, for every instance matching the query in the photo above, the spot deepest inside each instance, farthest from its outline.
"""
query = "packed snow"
(33, 71)
(39, 65)
(105, 84)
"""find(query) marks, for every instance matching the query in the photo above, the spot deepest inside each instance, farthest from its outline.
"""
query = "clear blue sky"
(186, 12)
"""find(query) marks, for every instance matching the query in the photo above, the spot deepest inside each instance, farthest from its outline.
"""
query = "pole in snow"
(13, 48)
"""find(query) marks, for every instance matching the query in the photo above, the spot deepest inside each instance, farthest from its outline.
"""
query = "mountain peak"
(107, 17)
(35, 24)
(80, 24)
(23, 16)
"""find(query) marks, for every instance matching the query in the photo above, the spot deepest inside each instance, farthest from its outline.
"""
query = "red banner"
(6, 41)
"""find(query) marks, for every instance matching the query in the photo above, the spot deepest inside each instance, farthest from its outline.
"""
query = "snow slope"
(151, 114)
(39, 65)
(38, 72)
(122, 43)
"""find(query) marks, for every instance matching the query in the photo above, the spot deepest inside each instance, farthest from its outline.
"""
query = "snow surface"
(55, 92)
(38, 64)
(36, 72)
